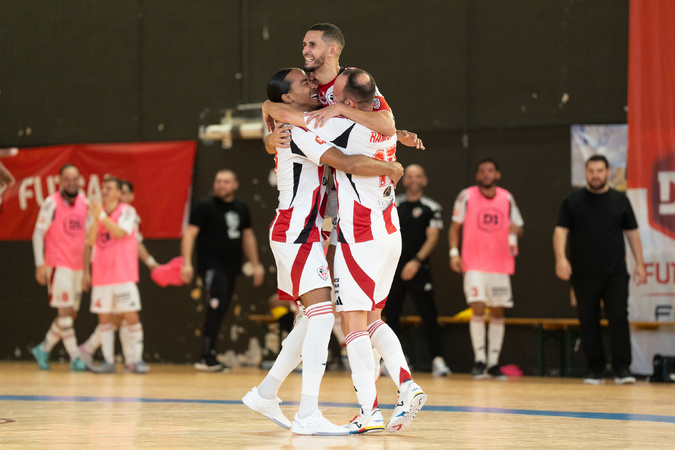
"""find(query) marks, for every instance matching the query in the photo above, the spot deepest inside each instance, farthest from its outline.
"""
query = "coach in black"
(421, 222)
(221, 225)
(594, 220)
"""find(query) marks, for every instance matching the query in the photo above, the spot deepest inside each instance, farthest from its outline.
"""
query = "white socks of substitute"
(387, 343)
(52, 337)
(359, 350)
(107, 334)
(477, 332)
(131, 338)
(495, 340)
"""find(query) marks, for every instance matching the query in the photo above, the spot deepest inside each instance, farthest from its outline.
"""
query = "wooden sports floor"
(176, 407)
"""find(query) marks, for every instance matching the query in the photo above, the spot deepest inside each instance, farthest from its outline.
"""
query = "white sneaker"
(362, 423)
(439, 368)
(408, 405)
(317, 425)
(268, 408)
(139, 367)
(378, 366)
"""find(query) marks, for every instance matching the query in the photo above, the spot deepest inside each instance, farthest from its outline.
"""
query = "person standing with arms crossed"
(591, 228)
(421, 223)
(491, 223)
(221, 225)
(58, 246)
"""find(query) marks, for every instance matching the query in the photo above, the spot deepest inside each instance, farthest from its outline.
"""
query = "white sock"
(477, 331)
(495, 339)
(135, 342)
(288, 359)
(387, 343)
(320, 321)
(125, 341)
(94, 342)
(52, 337)
(359, 350)
(70, 342)
(107, 332)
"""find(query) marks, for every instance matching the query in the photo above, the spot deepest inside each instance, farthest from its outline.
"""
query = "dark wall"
(474, 77)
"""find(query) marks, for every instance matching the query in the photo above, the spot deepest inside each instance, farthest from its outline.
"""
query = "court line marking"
(435, 408)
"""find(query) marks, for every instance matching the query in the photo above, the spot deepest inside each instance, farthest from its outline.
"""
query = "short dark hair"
(357, 88)
(108, 178)
(128, 184)
(330, 33)
(487, 160)
(598, 157)
(278, 86)
(67, 166)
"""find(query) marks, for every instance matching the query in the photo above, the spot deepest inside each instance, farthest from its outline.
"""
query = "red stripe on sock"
(374, 326)
(403, 376)
(355, 335)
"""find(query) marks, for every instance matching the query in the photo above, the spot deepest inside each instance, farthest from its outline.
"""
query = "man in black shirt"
(593, 221)
(421, 223)
(221, 225)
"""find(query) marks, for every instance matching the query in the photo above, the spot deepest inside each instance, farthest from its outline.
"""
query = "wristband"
(454, 252)
(415, 258)
(102, 216)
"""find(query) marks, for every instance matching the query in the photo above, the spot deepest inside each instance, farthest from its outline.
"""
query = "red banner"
(161, 173)
(651, 172)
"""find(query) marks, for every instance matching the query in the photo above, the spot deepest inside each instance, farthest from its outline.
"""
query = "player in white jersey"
(295, 239)
(89, 347)
(366, 257)
(58, 245)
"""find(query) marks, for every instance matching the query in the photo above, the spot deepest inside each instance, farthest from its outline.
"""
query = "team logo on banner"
(662, 194)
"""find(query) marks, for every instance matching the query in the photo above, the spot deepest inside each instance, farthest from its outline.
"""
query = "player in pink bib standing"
(113, 274)
(58, 245)
(491, 223)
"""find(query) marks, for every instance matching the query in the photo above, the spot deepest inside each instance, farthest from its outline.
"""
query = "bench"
(562, 330)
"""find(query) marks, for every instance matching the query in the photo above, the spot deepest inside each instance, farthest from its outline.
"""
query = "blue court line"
(460, 409)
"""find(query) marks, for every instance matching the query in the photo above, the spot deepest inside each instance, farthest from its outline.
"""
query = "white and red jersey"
(114, 260)
(59, 236)
(485, 229)
(366, 208)
(326, 94)
(301, 180)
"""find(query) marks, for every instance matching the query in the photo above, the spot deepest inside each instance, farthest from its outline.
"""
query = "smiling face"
(69, 182)
(303, 93)
(314, 50)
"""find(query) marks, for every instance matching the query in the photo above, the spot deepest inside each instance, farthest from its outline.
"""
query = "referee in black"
(221, 225)
(421, 223)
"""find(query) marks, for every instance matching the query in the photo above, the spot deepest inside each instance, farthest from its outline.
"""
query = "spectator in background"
(590, 230)
(421, 223)
(490, 222)
(221, 225)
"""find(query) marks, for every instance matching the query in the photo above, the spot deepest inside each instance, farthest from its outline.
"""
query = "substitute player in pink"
(58, 245)
(302, 271)
(491, 223)
(114, 273)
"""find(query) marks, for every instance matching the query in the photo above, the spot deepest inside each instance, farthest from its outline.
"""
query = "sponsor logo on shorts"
(499, 291)
(338, 301)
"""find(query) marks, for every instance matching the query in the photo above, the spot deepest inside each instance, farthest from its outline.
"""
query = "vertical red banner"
(651, 171)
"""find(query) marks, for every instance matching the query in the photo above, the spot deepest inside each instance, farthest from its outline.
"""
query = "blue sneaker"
(77, 365)
(105, 367)
(41, 356)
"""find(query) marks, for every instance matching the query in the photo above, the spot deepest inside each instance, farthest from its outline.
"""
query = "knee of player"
(65, 322)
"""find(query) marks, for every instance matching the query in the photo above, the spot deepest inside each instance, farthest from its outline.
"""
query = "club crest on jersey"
(376, 104)
(323, 272)
(416, 212)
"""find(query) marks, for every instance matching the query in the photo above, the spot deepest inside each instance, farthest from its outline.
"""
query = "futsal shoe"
(362, 423)
(623, 376)
(268, 408)
(86, 357)
(408, 405)
(105, 367)
(594, 377)
(211, 364)
(496, 372)
(439, 368)
(478, 371)
(41, 356)
(77, 365)
(139, 367)
(317, 425)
